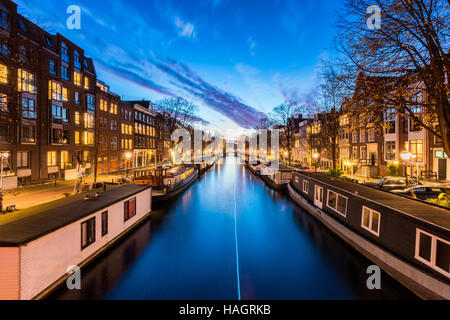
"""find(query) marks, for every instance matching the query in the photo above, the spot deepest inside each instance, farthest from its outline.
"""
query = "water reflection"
(188, 250)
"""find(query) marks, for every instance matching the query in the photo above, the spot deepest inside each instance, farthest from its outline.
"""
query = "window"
(52, 66)
(88, 138)
(23, 54)
(372, 135)
(4, 48)
(354, 137)
(77, 118)
(27, 134)
(129, 209)
(55, 91)
(4, 132)
(87, 233)
(77, 78)
(28, 108)
(65, 72)
(64, 159)
(89, 121)
(104, 223)
(23, 160)
(363, 153)
(26, 81)
(86, 83)
(3, 74)
(355, 151)
(390, 151)
(52, 160)
(103, 105)
(77, 137)
(337, 202)
(86, 156)
(90, 102)
(362, 136)
(76, 60)
(114, 143)
(59, 112)
(371, 221)
(306, 186)
(64, 53)
(3, 102)
(4, 20)
(433, 251)
(113, 108)
(65, 92)
(59, 136)
(77, 98)
(416, 149)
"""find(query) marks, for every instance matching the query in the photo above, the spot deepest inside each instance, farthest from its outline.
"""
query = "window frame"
(126, 206)
(369, 229)
(305, 190)
(84, 246)
(433, 251)
(105, 228)
(337, 200)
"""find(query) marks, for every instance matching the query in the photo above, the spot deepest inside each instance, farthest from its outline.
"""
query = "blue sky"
(235, 59)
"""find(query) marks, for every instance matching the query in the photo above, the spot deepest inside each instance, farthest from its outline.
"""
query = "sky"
(235, 59)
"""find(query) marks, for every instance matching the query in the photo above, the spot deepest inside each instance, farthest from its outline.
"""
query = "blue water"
(231, 237)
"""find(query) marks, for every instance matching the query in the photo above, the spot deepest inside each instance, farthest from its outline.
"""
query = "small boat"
(206, 164)
(168, 183)
(277, 179)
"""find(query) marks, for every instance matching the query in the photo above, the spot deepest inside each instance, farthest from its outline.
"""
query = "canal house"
(41, 244)
(408, 238)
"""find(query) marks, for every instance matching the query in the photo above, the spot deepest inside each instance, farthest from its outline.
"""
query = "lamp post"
(315, 157)
(406, 156)
(128, 157)
(3, 156)
(414, 156)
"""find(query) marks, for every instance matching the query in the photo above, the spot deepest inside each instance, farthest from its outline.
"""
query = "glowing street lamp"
(406, 156)
(315, 157)
(128, 156)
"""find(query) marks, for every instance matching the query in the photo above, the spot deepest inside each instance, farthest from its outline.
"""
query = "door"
(442, 175)
(318, 197)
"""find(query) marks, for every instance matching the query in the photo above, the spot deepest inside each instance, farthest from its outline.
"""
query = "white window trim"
(370, 221)
(434, 239)
(317, 202)
(335, 210)
(307, 188)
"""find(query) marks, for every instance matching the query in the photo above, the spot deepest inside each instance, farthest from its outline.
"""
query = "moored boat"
(168, 183)
(408, 239)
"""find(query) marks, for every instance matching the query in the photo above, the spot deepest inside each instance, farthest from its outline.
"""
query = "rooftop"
(35, 222)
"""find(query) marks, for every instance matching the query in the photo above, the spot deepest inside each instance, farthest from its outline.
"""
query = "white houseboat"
(41, 244)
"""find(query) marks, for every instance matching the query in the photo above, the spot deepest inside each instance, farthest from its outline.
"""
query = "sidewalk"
(31, 196)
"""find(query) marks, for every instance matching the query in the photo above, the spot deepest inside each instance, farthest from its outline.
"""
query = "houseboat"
(41, 246)
(277, 179)
(407, 238)
(168, 183)
(206, 164)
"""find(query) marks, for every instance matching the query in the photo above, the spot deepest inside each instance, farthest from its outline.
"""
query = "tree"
(331, 93)
(176, 111)
(408, 52)
(284, 117)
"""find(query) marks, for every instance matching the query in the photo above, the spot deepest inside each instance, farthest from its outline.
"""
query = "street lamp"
(128, 156)
(406, 156)
(315, 157)
(3, 156)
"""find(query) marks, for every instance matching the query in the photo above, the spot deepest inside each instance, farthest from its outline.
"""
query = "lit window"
(52, 159)
(77, 78)
(55, 91)
(65, 94)
(26, 81)
(77, 118)
(77, 137)
(337, 202)
(86, 83)
(3, 74)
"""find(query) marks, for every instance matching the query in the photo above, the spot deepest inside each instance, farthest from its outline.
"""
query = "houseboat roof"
(178, 170)
(438, 216)
(33, 223)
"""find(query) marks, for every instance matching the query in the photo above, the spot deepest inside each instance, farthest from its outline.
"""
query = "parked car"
(423, 192)
(392, 183)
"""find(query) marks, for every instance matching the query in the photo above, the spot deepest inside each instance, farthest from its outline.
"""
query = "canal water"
(231, 237)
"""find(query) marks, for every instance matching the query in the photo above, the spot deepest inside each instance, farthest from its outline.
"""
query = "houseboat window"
(129, 209)
(306, 186)
(104, 223)
(371, 221)
(87, 233)
(337, 202)
(433, 251)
